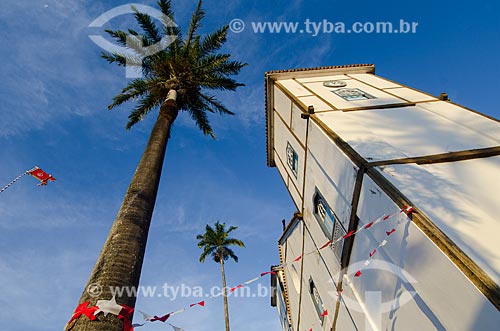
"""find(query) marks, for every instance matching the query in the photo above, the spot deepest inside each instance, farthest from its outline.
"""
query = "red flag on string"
(267, 273)
(161, 318)
(358, 273)
(408, 210)
(235, 288)
(369, 225)
(386, 217)
(201, 303)
(390, 232)
(325, 313)
(326, 244)
(125, 315)
(298, 259)
(41, 175)
(348, 234)
(83, 309)
(373, 253)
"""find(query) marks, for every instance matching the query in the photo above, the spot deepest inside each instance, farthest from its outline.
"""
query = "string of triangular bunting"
(124, 312)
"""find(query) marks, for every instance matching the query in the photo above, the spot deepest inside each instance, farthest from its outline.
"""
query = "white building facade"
(355, 152)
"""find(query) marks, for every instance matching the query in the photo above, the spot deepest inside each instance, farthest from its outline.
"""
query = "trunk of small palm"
(120, 261)
(224, 289)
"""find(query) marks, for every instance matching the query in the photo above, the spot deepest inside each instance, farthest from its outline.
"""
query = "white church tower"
(398, 204)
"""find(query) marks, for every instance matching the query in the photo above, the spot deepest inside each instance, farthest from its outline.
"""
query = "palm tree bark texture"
(175, 79)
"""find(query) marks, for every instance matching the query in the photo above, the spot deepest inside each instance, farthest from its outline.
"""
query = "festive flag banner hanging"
(41, 175)
(161, 319)
(328, 243)
(235, 288)
(390, 232)
(201, 303)
(407, 210)
(82, 309)
(36, 172)
(125, 315)
(176, 328)
(108, 307)
(124, 312)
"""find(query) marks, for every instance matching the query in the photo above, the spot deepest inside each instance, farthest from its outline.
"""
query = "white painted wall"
(324, 279)
(344, 320)
(331, 172)
(292, 249)
(282, 104)
(462, 199)
(445, 299)
(282, 136)
(385, 134)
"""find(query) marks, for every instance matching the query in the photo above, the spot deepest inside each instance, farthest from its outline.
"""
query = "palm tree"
(176, 78)
(215, 242)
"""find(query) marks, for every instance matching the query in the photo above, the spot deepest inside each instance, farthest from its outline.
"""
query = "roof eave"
(271, 76)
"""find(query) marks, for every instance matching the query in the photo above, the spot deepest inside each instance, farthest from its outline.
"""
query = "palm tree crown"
(191, 66)
(176, 77)
(215, 242)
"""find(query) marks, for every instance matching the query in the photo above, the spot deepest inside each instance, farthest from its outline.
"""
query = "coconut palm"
(176, 78)
(215, 243)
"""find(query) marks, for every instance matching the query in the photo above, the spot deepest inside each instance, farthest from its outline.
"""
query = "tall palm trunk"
(224, 289)
(120, 261)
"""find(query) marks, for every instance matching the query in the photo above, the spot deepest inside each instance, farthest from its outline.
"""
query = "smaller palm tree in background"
(215, 243)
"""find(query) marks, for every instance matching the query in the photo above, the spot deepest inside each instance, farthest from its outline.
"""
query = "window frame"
(293, 163)
(362, 94)
(317, 301)
(337, 228)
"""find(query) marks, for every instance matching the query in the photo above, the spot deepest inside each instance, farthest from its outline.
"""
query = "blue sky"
(54, 92)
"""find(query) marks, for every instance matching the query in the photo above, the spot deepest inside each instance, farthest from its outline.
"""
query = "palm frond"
(233, 242)
(191, 66)
(147, 25)
(215, 242)
(213, 41)
(215, 105)
(196, 19)
(206, 252)
(145, 105)
(202, 122)
(119, 36)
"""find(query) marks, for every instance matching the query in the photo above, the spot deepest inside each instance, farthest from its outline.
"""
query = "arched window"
(316, 298)
(329, 222)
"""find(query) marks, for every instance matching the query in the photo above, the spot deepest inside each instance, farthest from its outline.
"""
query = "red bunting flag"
(41, 175)
(298, 259)
(325, 313)
(125, 315)
(386, 217)
(235, 288)
(201, 303)
(83, 309)
(328, 243)
(390, 232)
(348, 234)
(267, 273)
(161, 319)
(358, 273)
(373, 253)
(408, 210)
(369, 225)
